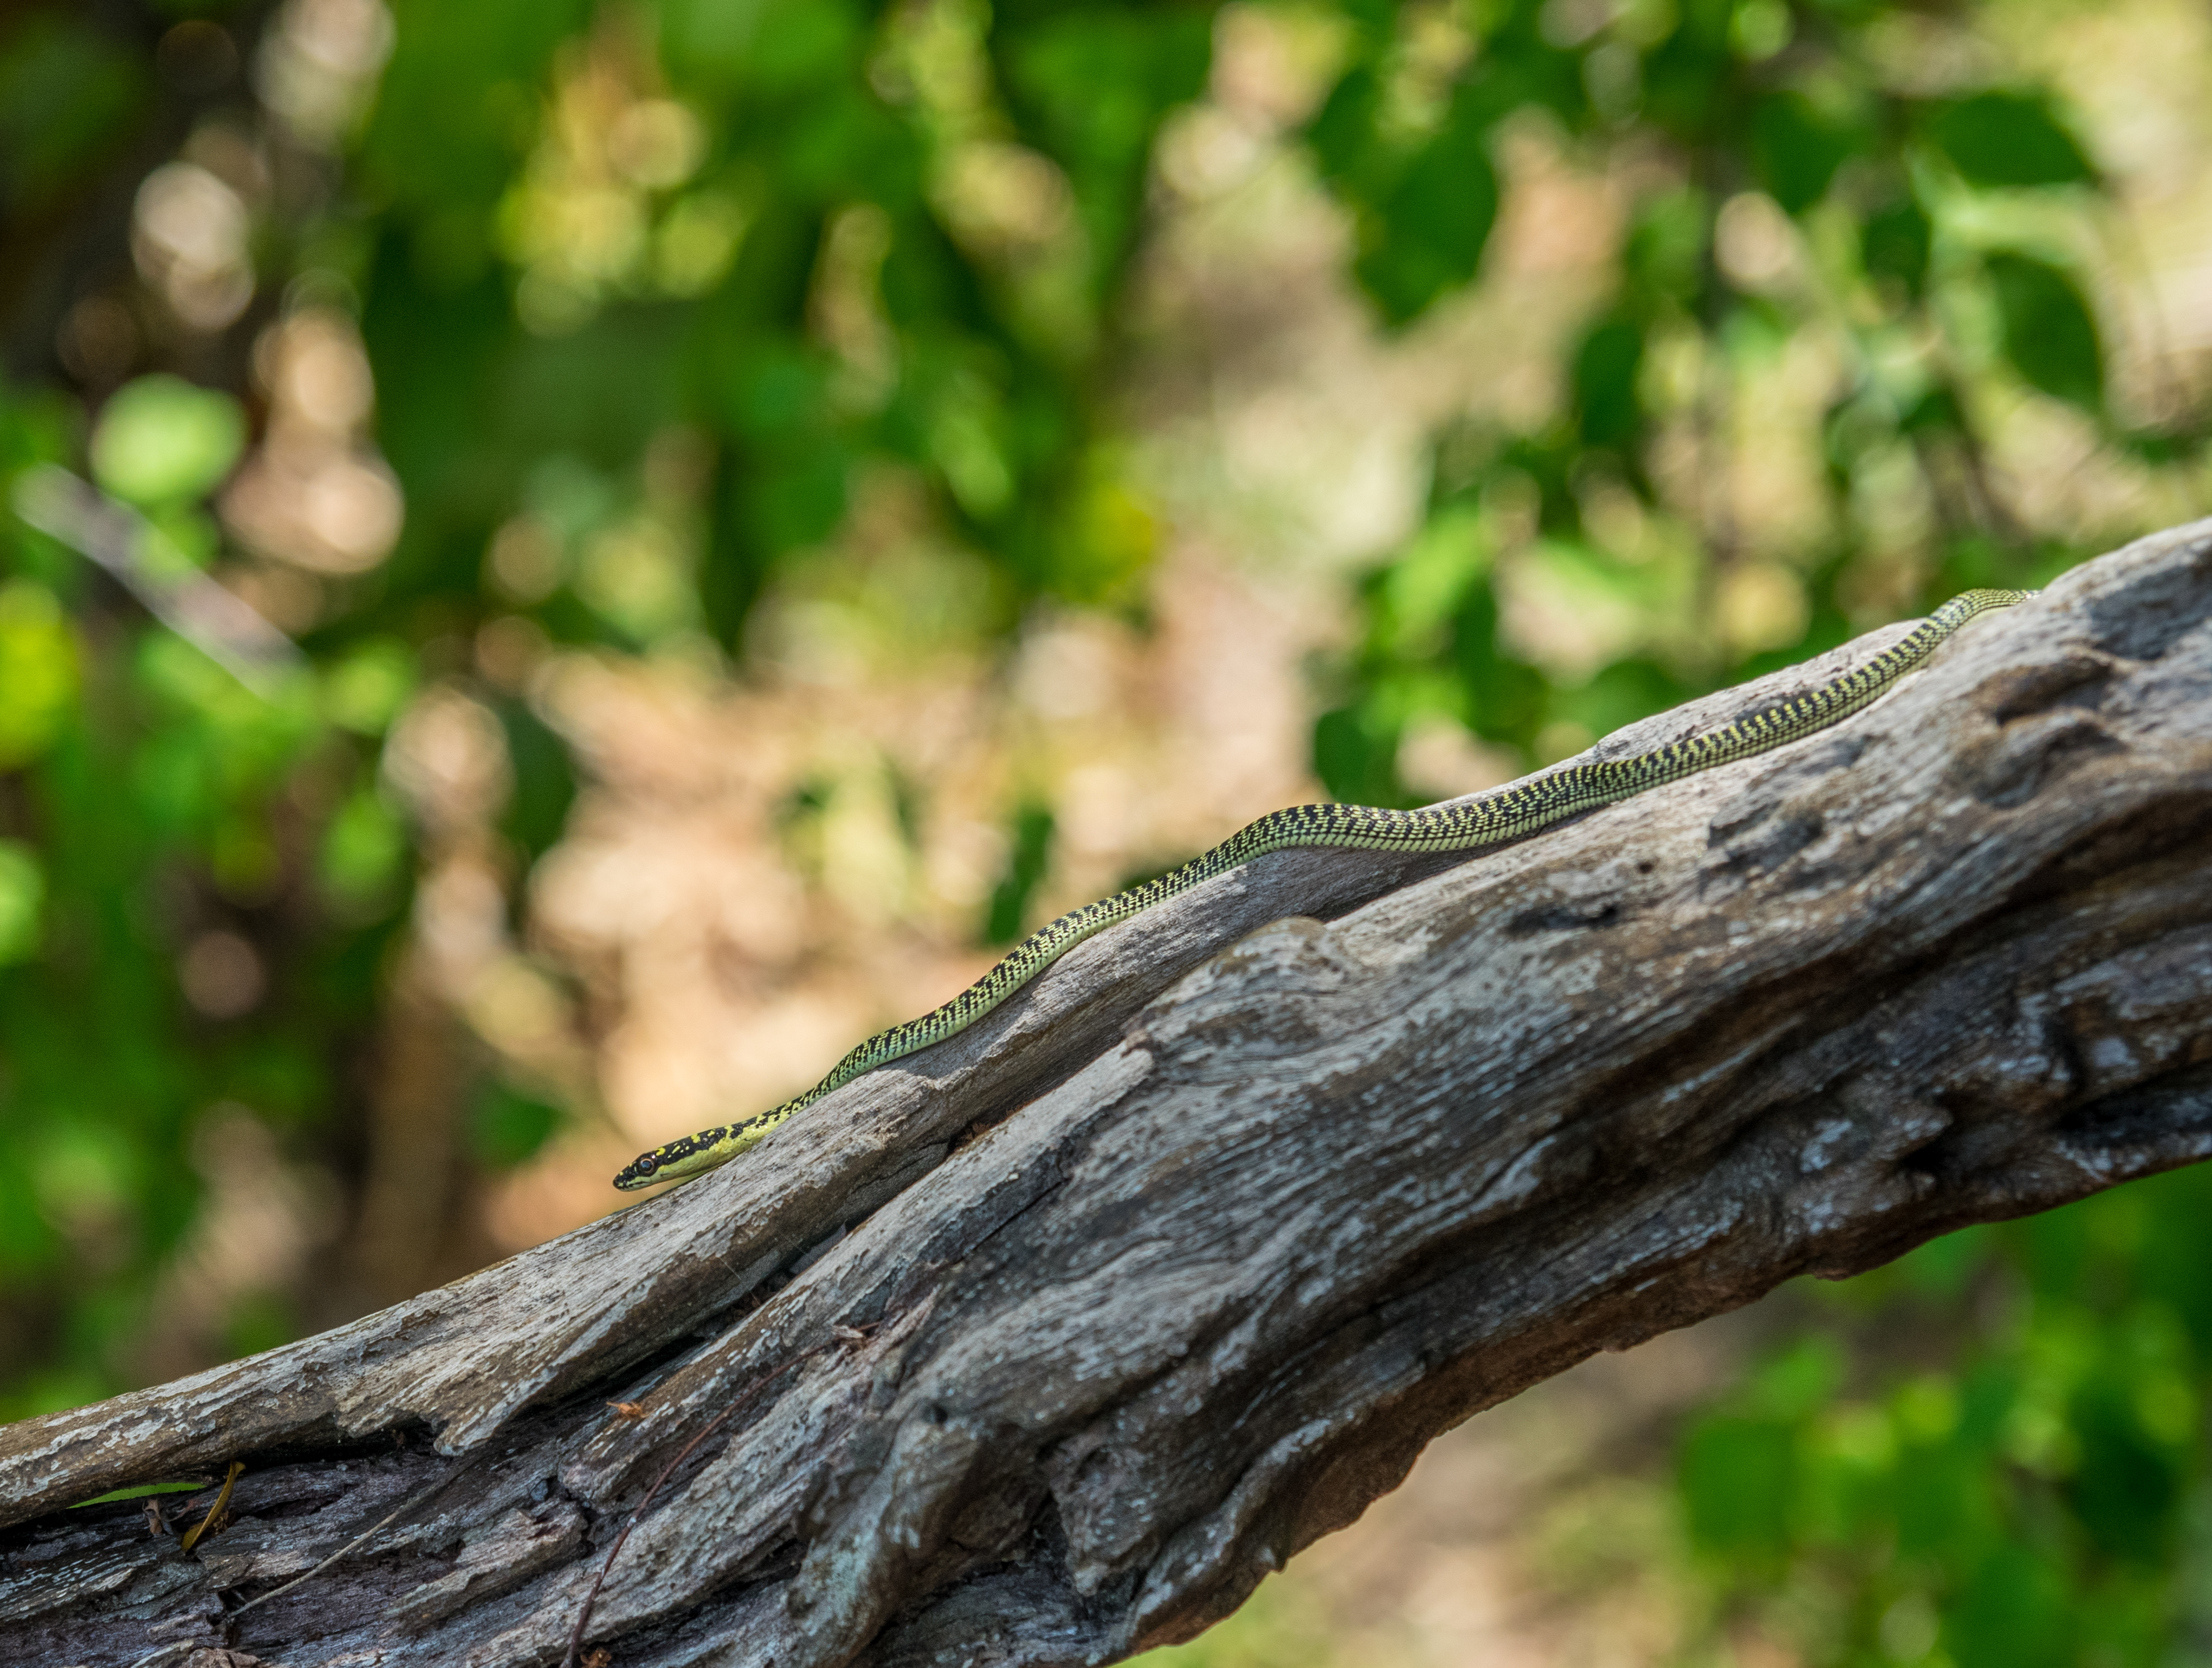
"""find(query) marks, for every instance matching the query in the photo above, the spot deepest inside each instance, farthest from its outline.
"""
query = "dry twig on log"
(1174, 1263)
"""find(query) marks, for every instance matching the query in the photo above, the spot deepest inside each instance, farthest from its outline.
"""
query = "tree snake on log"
(1509, 813)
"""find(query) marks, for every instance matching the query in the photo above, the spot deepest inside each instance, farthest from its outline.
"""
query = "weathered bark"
(1176, 1264)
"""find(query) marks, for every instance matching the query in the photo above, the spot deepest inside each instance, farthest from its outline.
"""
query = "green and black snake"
(1520, 808)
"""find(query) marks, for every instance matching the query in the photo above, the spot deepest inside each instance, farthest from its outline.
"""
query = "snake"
(1509, 813)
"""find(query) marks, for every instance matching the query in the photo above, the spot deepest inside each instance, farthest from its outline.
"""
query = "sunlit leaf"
(160, 441)
(363, 850)
(38, 670)
(365, 689)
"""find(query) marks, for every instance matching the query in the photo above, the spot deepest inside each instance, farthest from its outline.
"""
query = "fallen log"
(1044, 1346)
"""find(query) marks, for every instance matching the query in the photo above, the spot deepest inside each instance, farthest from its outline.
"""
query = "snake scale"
(1518, 809)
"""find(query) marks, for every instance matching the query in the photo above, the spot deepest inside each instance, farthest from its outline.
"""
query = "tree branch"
(1176, 1262)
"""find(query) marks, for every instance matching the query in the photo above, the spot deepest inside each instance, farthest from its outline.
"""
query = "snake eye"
(647, 1166)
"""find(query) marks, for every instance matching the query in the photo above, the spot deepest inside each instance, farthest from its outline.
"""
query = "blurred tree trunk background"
(762, 504)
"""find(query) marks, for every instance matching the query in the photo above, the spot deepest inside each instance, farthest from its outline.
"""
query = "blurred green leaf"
(68, 93)
(1685, 77)
(1894, 243)
(1798, 1380)
(2009, 139)
(1737, 1476)
(2013, 1613)
(544, 781)
(1937, 412)
(364, 850)
(2128, 1487)
(258, 1321)
(1508, 700)
(1620, 695)
(506, 1127)
(365, 689)
(1342, 132)
(1355, 754)
(775, 46)
(1427, 232)
(22, 899)
(1089, 83)
(1107, 539)
(1606, 370)
(1029, 856)
(452, 115)
(1798, 149)
(1667, 245)
(160, 441)
(2050, 334)
(38, 670)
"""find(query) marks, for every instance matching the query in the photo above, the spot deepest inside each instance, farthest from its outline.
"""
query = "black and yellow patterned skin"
(1511, 812)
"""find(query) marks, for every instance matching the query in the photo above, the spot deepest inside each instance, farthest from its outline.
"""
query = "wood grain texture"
(1175, 1263)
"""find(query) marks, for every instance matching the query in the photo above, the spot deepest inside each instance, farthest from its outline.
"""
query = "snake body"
(1521, 808)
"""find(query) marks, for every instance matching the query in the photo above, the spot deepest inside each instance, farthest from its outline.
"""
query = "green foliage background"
(2031, 1489)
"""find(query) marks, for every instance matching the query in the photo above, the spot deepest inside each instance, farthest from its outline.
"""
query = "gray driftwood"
(1176, 1264)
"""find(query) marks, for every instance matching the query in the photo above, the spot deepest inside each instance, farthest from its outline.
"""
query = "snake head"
(643, 1171)
(678, 1161)
(694, 1155)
